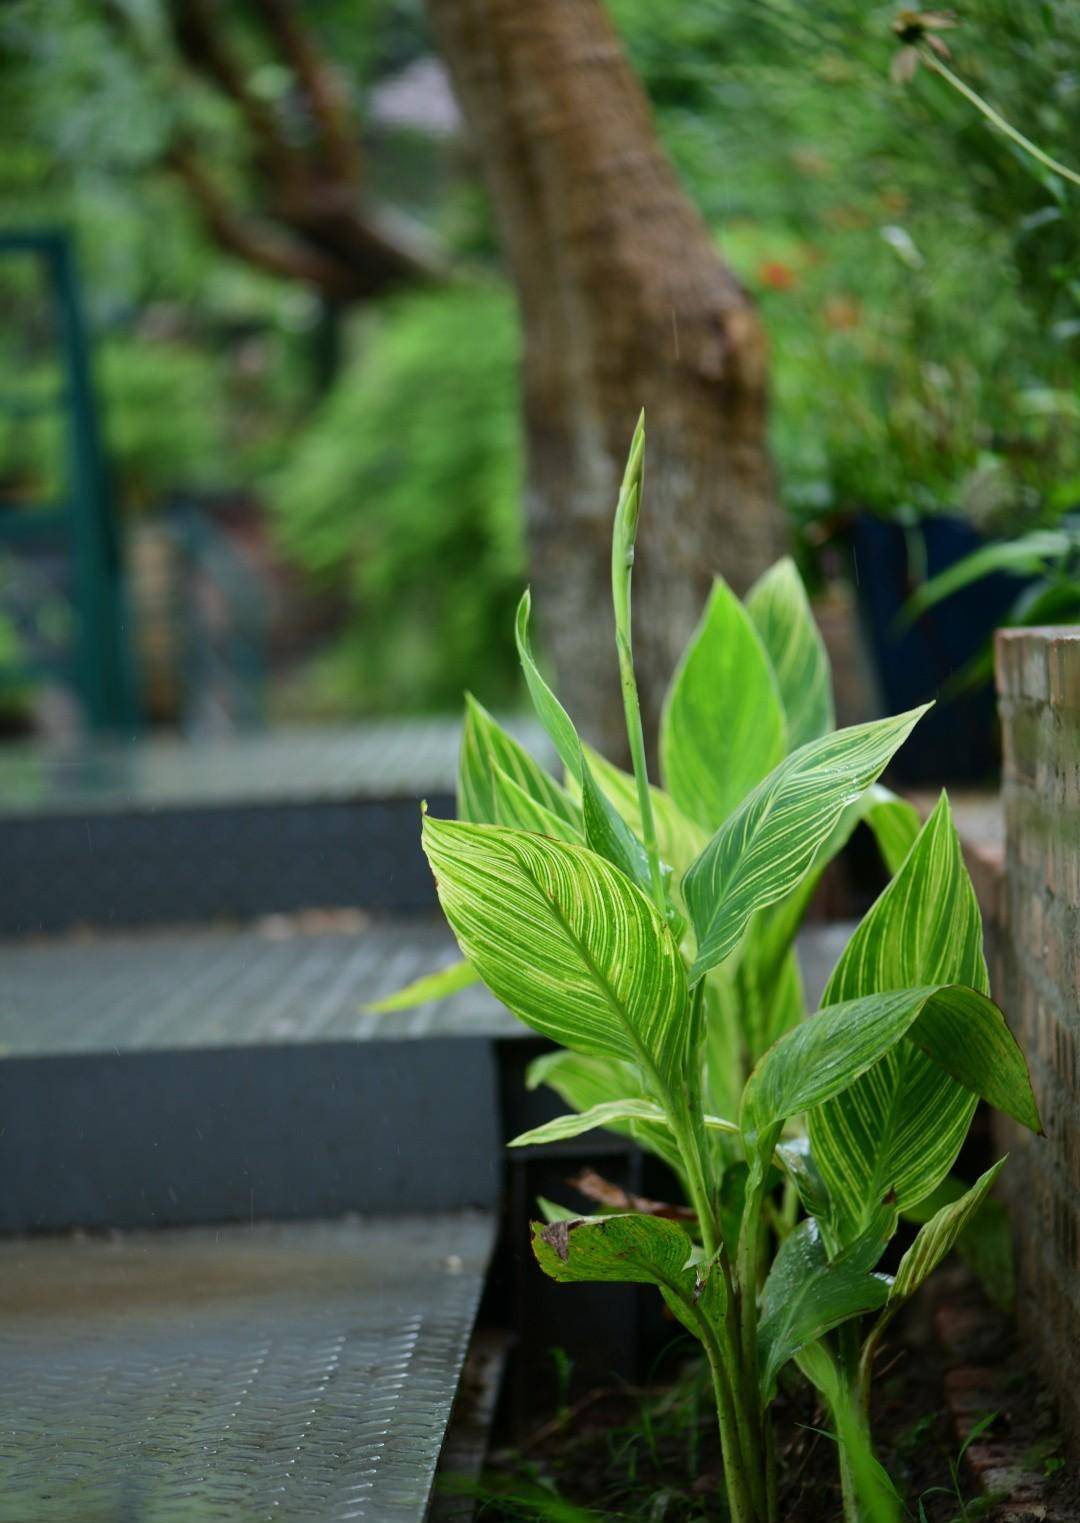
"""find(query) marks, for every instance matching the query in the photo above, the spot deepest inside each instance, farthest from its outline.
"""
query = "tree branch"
(256, 240)
(322, 85)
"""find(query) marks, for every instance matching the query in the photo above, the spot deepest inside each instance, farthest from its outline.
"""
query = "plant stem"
(984, 106)
(622, 566)
(742, 1461)
(735, 1469)
(747, 1255)
(852, 1420)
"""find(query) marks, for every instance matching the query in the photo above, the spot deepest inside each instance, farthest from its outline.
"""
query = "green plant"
(649, 932)
(968, 1511)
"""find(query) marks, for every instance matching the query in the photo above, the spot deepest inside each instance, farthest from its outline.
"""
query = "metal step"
(166, 831)
(280, 1374)
(167, 1080)
(175, 1079)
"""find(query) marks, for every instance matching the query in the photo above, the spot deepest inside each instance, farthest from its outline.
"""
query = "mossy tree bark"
(625, 303)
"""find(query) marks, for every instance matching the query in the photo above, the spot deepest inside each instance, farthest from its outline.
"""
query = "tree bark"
(625, 303)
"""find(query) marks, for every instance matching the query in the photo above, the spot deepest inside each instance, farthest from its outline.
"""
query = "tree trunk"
(625, 303)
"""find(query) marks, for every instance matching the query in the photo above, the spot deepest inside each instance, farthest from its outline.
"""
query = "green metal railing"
(96, 661)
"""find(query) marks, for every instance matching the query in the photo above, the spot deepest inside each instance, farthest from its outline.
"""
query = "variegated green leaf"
(550, 712)
(521, 811)
(764, 849)
(632, 1248)
(766, 986)
(603, 1115)
(778, 605)
(805, 1295)
(899, 1128)
(722, 727)
(433, 986)
(486, 746)
(769, 996)
(678, 839)
(939, 1235)
(963, 1031)
(584, 1082)
(895, 823)
(551, 1211)
(723, 1047)
(566, 942)
(798, 1162)
(606, 832)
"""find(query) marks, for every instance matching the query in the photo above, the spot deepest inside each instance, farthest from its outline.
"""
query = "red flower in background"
(776, 275)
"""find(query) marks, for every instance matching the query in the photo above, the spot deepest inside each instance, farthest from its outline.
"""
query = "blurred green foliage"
(916, 272)
(404, 489)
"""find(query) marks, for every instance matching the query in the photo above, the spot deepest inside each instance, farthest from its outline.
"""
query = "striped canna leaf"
(587, 1082)
(566, 942)
(939, 1235)
(961, 1030)
(778, 605)
(899, 1128)
(606, 1114)
(678, 839)
(769, 843)
(485, 747)
(522, 811)
(432, 986)
(606, 832)
(633, 1248)
(722, 727)
(806, 1294)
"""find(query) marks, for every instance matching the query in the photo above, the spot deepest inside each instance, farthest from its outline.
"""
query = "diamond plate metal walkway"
(266, 1375)
(267, 985)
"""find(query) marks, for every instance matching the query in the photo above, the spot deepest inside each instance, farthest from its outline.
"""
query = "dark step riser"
(183, 866)
(181, 1138)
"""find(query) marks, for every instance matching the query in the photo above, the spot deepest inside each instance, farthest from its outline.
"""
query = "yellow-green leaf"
(939, 1235)
(778, 605)
(566, 942)
(899, 1128)
(772, 839)
(722, 727)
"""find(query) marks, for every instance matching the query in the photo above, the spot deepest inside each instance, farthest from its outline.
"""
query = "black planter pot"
(958, 740)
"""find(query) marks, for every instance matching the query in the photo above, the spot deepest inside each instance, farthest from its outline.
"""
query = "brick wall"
(1036, 948)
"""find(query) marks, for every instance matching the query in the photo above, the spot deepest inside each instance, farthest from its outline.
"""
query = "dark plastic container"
(958, 740)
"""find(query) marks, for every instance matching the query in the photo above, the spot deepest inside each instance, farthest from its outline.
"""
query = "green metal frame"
(99, 665)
